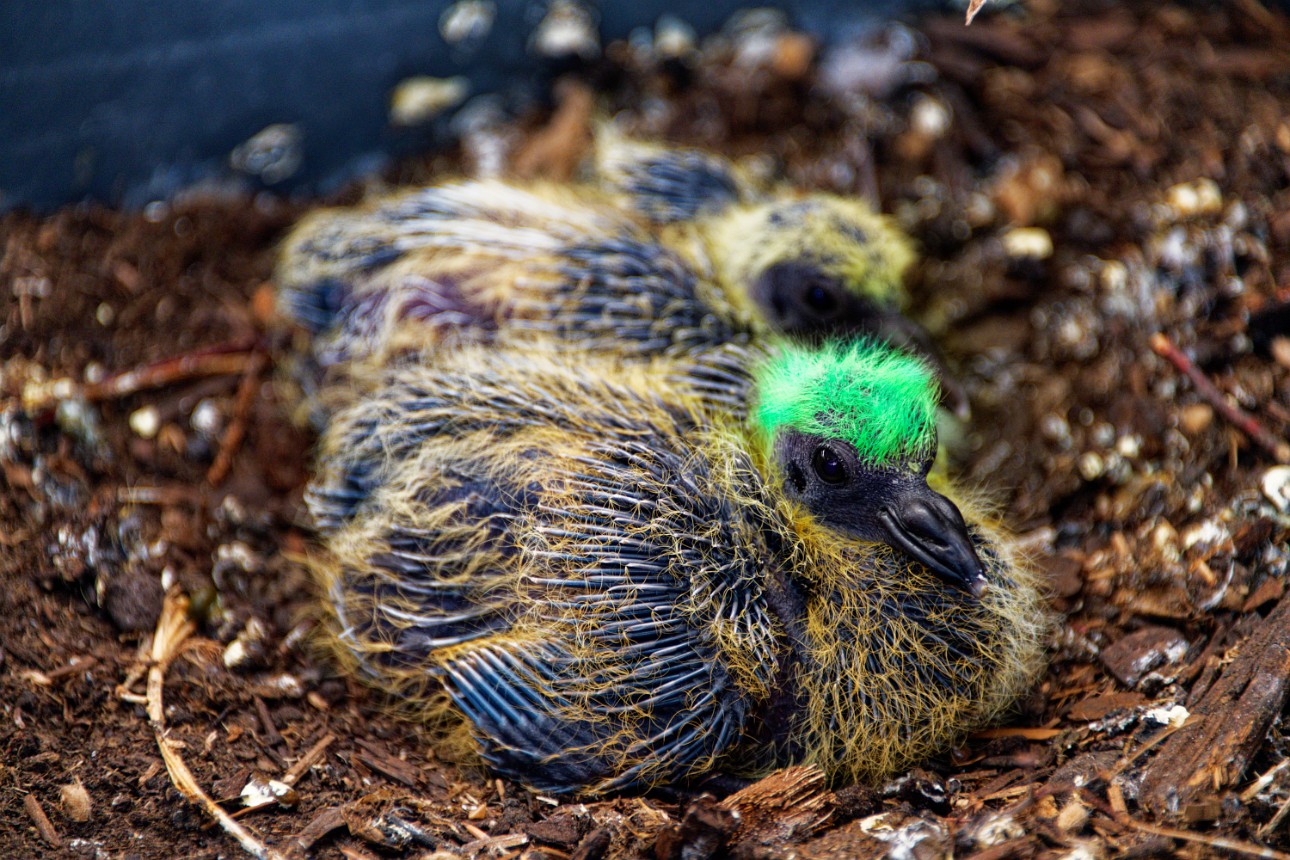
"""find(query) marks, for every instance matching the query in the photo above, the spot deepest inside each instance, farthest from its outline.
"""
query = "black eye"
(828, 466)
(820, 299)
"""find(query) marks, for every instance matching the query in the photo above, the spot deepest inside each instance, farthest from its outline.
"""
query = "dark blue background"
(125, 101)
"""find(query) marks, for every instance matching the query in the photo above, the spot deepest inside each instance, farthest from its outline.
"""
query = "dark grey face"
(894, 506)
(801, 300)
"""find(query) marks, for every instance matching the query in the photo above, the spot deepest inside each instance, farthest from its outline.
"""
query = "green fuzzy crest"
(880, 400)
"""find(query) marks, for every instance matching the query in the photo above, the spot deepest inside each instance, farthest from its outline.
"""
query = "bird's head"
(851, 431)
(817, 265)
(824, 266)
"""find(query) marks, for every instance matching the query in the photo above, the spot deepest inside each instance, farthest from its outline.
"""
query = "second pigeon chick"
(489, 261)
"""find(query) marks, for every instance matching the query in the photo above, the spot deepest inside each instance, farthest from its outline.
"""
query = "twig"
(165, 496)
(223, 360)
(173, 627)
(973, 7)
(1218, 843)
(311, 757)
(323, 823)
(271, 734)
(1127, 759)
(78, 664)
(1237, 417)
(220, 360)
(41, 820)
(138, 669)
(1268, 829)
(291, 776)
(237, 427)
(1263, 781)
(1030, 733)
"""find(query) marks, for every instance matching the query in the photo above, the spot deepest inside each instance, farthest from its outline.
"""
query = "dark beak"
(929, 528)
(902, 332)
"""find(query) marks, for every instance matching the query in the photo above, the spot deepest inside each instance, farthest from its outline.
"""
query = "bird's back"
(547, 541)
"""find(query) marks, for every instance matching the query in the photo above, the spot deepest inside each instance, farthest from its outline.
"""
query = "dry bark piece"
(704, 830)
(1097, 707)
(41, 820)
(594, 846)
(785, 807)
(1081, 770)
(1228, 724)
(1133, 657)
(564, 829)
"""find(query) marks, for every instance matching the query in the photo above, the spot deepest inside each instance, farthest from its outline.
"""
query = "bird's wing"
(425, 570)
(332, 251)
(666, 185)
(627, 679)
(624, 294)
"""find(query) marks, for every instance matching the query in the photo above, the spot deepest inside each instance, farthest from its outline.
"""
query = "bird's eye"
(828, 466)
(820, 299)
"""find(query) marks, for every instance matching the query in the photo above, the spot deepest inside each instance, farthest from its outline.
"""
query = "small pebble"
(1114, 276)
(207, 419)
(1103, 434)
(1091, 465)
(930, 117)
(1129, 446)
(78, 420)
(145, 422)
(1028, 242)
(262, 792)
(1170, 715)
(1056, 429)
(1201, 197)
(673, 37)
(281, 686)
(1206, 533)
(1195, 418)
(273, 153)
(467, 21)
(1276, 487)
(568, 30)
(417, 100)
(249, 646)
(131, 597)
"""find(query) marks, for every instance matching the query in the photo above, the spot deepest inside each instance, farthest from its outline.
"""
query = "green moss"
(880, 400)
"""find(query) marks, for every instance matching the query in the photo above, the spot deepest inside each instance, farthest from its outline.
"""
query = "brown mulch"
(1102, 196)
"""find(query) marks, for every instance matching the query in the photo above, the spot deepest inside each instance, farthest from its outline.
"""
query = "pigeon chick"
(489, 261)
(612, 584)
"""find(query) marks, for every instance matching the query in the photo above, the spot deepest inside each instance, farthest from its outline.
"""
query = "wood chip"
(1229, 722)
(786, 806)
(41, 820)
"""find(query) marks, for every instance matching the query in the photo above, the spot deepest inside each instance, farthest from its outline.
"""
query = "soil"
(1101, 193)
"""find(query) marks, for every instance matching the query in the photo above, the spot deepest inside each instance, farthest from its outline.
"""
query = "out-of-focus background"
(127, 102)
